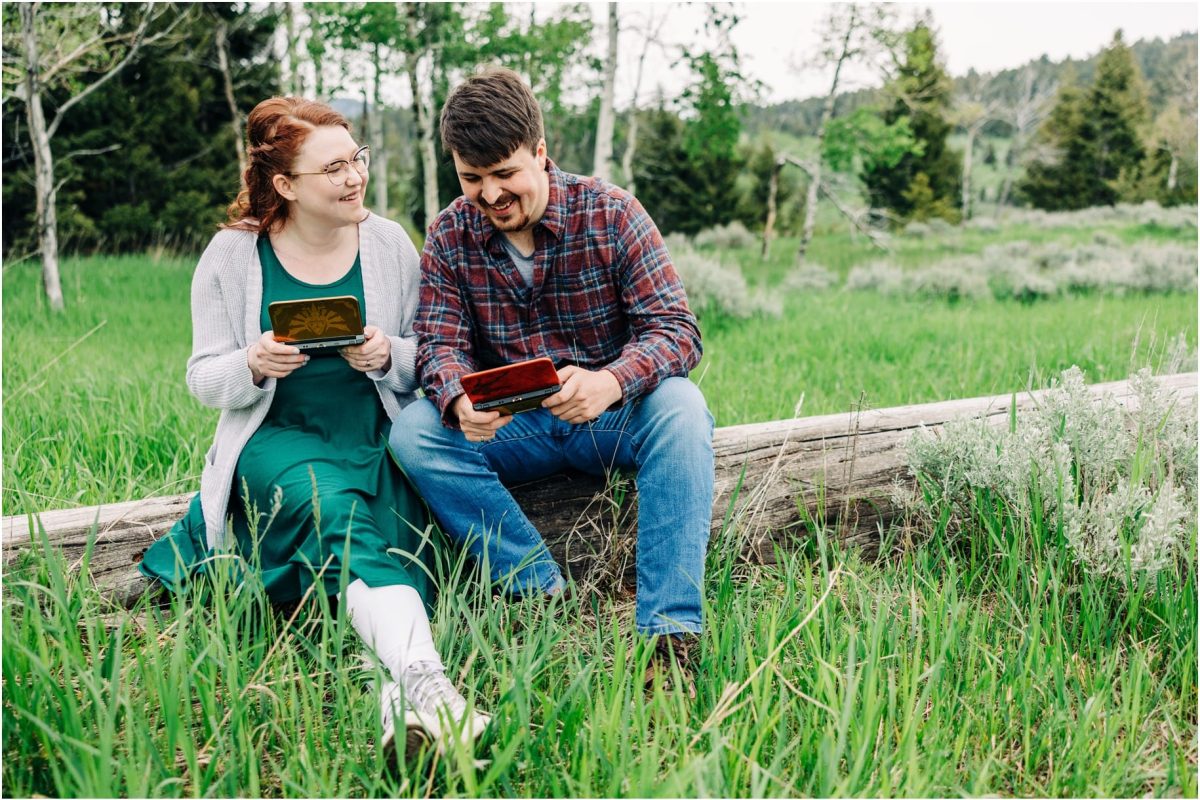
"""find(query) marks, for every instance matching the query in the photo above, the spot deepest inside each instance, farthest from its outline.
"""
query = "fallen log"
(841, 469)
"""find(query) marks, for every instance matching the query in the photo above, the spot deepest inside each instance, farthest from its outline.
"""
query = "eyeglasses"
(338, 171)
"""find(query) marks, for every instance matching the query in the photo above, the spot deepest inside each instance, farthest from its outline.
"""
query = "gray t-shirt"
(524, 263)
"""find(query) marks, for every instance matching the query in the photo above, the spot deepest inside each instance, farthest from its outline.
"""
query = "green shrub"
(1116, 482)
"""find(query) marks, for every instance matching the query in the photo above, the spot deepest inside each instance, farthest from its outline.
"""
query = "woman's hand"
(268, 358)
(374, 353)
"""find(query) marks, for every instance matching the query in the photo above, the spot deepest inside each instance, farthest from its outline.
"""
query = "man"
(532, 261)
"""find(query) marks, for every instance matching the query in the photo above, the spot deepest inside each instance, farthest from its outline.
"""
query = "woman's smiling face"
(315, 195)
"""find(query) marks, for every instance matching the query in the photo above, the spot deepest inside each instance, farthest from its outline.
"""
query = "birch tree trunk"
(1173, 172)
(423, 112)
(810, 198)
(968, 157)
(43, 163)
(1006, 187)
(630, 148)
(1025, 115)
(379, 159)
(235, 116)
(318, 58)
(60, 85)
(602, 159)
(772, 193)
(429, 165)
(293, 81)
(652, 37)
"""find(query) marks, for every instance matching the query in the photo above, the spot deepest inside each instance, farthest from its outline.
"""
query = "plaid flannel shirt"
(604, 295)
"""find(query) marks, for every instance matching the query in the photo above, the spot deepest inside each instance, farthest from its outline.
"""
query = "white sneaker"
(392, 707)
(443, 712)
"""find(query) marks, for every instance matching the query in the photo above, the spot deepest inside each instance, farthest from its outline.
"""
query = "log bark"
(839, 470)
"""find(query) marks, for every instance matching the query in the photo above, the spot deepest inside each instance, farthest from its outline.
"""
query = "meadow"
(989, 661)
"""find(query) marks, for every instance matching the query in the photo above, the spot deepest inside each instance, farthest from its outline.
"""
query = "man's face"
(513, 192)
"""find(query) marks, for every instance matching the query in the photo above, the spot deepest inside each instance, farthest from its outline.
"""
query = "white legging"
(391, 620)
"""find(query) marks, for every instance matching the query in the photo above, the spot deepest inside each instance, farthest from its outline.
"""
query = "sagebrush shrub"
(947, 280)
(676, 242)
(984, 224)
(879, 276)
(1148, 213)
(809, 277)
(1119, 481)
(715, 286)
(726, 237)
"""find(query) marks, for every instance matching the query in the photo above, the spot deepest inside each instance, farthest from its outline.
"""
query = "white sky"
(988, 36)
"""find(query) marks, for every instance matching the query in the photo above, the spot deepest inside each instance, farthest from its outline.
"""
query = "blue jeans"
(665, 435)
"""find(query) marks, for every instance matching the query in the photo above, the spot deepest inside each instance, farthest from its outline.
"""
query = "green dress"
(316, 490)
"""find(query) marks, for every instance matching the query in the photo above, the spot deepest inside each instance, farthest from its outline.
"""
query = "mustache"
(501, 200)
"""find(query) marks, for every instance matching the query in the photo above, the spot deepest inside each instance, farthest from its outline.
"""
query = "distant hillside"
(1162, 64)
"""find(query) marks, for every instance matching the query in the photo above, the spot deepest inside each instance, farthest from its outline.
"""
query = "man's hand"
(477, 426)
(584, 395)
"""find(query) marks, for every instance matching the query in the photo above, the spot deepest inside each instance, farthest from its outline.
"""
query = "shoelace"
(428, 689)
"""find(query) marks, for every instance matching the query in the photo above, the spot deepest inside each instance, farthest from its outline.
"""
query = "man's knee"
(678, 403)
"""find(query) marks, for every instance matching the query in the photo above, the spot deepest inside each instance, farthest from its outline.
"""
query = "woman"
(301, 440)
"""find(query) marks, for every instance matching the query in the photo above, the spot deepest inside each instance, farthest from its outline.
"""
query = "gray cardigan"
(226, 320)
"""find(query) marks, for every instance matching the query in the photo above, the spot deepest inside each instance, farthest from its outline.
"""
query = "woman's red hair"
(275, 132)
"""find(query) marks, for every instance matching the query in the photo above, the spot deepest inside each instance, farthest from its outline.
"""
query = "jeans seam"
(525, 437)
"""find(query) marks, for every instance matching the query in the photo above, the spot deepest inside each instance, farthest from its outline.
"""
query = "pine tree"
(1056, 180)
(710, 136)
(922, 92)
(1115, 120)
(1094, 139)
(669, 185)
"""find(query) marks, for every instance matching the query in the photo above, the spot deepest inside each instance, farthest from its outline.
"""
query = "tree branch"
(91, 152)
(136, 43)
(854, 218)
(99, 40)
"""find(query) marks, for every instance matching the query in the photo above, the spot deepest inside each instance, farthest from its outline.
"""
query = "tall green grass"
(95, 406)
(984, 668)
(987, 665)
(840, 350)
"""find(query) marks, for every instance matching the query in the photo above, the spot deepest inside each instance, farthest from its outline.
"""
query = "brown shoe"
(672, 659)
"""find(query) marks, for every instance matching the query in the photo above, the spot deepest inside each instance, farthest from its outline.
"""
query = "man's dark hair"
(488, 116)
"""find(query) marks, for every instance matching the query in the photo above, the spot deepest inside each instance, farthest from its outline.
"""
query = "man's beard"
(516, 220)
